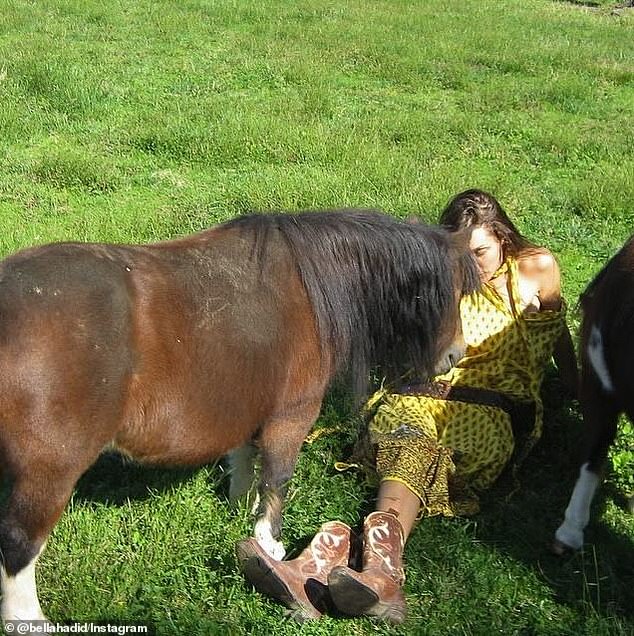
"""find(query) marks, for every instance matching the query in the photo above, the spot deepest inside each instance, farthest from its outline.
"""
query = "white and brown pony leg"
(267, 529)
(600, 416)
(569, 535)
(280, 441)
(19, 593)
(24, 526)
(38, 497)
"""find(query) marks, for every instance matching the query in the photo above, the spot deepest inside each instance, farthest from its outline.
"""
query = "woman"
(438, 443)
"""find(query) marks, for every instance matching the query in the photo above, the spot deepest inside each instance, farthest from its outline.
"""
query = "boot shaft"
(383, 545)
(329, 548)
(378, 589)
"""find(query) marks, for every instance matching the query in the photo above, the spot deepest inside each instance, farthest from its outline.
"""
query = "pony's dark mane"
(381, 289)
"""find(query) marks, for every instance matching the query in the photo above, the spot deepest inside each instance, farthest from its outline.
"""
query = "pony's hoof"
(560, 549)
(275, 548)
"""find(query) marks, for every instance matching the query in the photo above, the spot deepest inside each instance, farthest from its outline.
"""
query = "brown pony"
(178, 352)
(607, 386)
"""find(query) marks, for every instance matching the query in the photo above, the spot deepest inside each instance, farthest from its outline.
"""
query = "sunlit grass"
(141, 121)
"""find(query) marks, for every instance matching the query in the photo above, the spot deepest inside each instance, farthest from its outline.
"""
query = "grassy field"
(138, 121)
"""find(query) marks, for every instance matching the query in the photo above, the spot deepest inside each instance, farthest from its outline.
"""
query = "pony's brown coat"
(177, 352)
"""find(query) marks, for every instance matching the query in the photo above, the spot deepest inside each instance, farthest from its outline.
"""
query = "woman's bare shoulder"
(540, 266)
(537, 261)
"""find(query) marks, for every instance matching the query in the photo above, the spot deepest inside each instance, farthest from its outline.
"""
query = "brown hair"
(476, 208)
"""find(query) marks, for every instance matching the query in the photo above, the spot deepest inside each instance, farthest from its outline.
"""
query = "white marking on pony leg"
(264, 536)
(241, 470)
(19, 594)
(256, 503)
(570, 532)
(596, 355)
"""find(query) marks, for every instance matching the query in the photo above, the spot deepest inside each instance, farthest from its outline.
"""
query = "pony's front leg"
(569, 535)
(33, 507)
(268, 515)
(600, 418)
(280, 441)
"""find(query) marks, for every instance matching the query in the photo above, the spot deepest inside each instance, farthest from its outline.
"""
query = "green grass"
(137, 121)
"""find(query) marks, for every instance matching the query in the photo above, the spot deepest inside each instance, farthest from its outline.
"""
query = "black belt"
(522, 413)
(444, 390)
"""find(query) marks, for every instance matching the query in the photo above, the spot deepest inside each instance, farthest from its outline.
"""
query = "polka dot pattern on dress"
(459, 442)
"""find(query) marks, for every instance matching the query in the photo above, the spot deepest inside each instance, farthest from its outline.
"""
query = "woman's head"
(493, 235)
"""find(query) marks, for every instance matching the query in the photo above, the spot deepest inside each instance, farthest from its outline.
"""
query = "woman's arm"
(544, 270)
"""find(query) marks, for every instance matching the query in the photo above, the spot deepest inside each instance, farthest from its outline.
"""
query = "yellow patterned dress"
(444, 450)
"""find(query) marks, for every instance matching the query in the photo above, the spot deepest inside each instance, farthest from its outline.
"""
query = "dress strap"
(502, 269)
(513, 287)
(508, 267)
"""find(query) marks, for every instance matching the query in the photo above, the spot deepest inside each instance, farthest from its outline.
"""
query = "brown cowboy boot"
(300, 583)
(377, 589)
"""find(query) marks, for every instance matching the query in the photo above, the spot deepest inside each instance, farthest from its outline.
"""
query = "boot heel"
(350, 594)
(377, 589)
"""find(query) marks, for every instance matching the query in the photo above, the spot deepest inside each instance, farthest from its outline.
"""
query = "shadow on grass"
(590, 4)
(114, 479)
(520, 515)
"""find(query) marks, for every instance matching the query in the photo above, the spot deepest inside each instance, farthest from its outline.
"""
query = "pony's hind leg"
(19, 590)
(280, 441)
(241, 470)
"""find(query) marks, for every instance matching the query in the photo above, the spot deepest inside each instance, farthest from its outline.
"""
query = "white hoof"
(264, 537)
(567, 537)
(275, 549)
